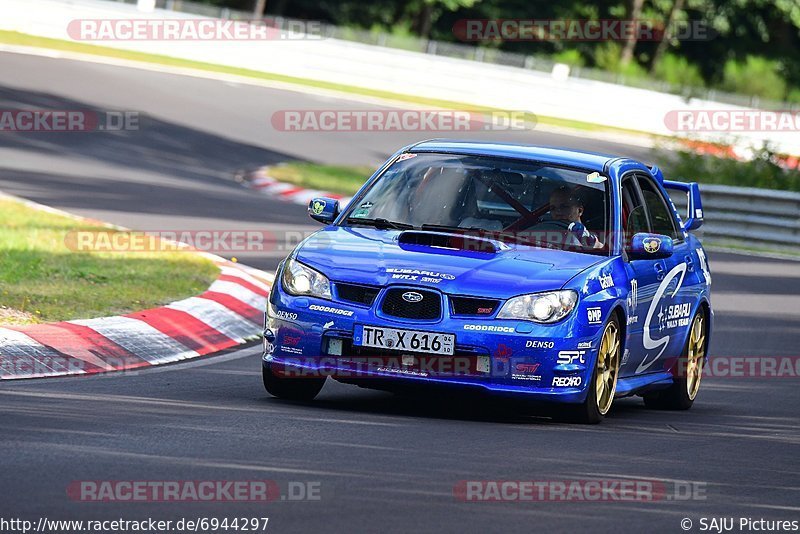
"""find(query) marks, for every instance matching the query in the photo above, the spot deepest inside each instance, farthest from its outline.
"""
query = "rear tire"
(290, 388)
(688, 371)
(603, 384)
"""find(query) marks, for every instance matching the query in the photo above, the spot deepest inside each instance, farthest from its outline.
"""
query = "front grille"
(463, 364)
(358, 294)
(429, 307)
(473, 306)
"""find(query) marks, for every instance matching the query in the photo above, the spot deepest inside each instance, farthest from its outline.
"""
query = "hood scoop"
(449, 241)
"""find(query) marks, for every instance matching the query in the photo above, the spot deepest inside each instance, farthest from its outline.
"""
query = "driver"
(566, 207)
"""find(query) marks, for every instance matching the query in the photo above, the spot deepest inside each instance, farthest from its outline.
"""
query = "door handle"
(661, 272)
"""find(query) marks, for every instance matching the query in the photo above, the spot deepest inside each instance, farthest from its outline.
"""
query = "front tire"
(603, 385)
(297, 388)
(688, 371)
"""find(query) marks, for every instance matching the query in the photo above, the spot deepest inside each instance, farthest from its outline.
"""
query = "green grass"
(22, 39)
(345, 180)
(42, 280)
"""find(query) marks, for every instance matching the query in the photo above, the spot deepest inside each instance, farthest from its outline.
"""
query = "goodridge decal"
(328, 309)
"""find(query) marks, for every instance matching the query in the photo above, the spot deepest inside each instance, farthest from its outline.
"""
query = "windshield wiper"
(380, 223)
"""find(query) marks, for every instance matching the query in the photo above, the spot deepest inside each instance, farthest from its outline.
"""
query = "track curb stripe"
(260, 180)
(189, 331)
(235, 305)
(229, 313)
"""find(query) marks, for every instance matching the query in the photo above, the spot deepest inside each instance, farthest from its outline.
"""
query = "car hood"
(372, 256)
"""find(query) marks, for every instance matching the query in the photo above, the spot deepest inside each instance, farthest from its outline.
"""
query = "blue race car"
(540, 273)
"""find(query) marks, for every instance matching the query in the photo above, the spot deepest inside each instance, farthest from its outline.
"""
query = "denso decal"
(287, 316)
(539, 344)
(661, 343)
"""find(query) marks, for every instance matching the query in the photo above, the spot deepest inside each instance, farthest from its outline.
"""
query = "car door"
(664, 305)
(643, 274)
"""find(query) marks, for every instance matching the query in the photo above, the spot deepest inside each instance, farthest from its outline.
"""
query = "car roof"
(560, 156)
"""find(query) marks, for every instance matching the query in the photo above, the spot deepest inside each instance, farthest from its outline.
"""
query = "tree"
(424, 13)
(632, 39)
(261, 6)
(677, 8)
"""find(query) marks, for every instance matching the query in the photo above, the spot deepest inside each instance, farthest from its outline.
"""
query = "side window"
(661, 217)
(634, 218)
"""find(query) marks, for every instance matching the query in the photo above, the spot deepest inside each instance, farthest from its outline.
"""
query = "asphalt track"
(384, 463)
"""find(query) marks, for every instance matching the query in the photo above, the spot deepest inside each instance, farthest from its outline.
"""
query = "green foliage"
(571, 57)
(608, 57)
(761, 171)
(759, 38)
(677, 70)
(756, 76)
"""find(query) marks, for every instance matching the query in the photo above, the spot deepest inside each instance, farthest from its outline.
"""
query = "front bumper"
(307, 337)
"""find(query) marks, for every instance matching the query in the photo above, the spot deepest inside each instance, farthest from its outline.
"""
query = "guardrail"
(757, 218)
(480, 54)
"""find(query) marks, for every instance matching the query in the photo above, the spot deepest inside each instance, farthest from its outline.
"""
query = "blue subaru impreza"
(554, 275)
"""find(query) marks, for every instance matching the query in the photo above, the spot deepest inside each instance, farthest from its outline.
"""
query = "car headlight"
(540, 307)
(299, 279)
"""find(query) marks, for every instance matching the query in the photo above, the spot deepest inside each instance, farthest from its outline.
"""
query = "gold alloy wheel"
(607, 368)
(695, 356)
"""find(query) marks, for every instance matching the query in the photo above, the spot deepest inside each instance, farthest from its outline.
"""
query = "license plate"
(405, 340)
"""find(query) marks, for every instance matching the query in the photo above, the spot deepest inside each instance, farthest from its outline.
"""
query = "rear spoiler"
(694, 216)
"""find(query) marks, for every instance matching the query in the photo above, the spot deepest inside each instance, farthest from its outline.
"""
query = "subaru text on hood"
(547, 274)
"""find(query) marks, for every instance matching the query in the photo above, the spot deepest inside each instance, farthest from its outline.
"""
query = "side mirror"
(646, 246)
(324, 210)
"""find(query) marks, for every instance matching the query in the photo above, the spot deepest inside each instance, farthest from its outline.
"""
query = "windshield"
(510, 200)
